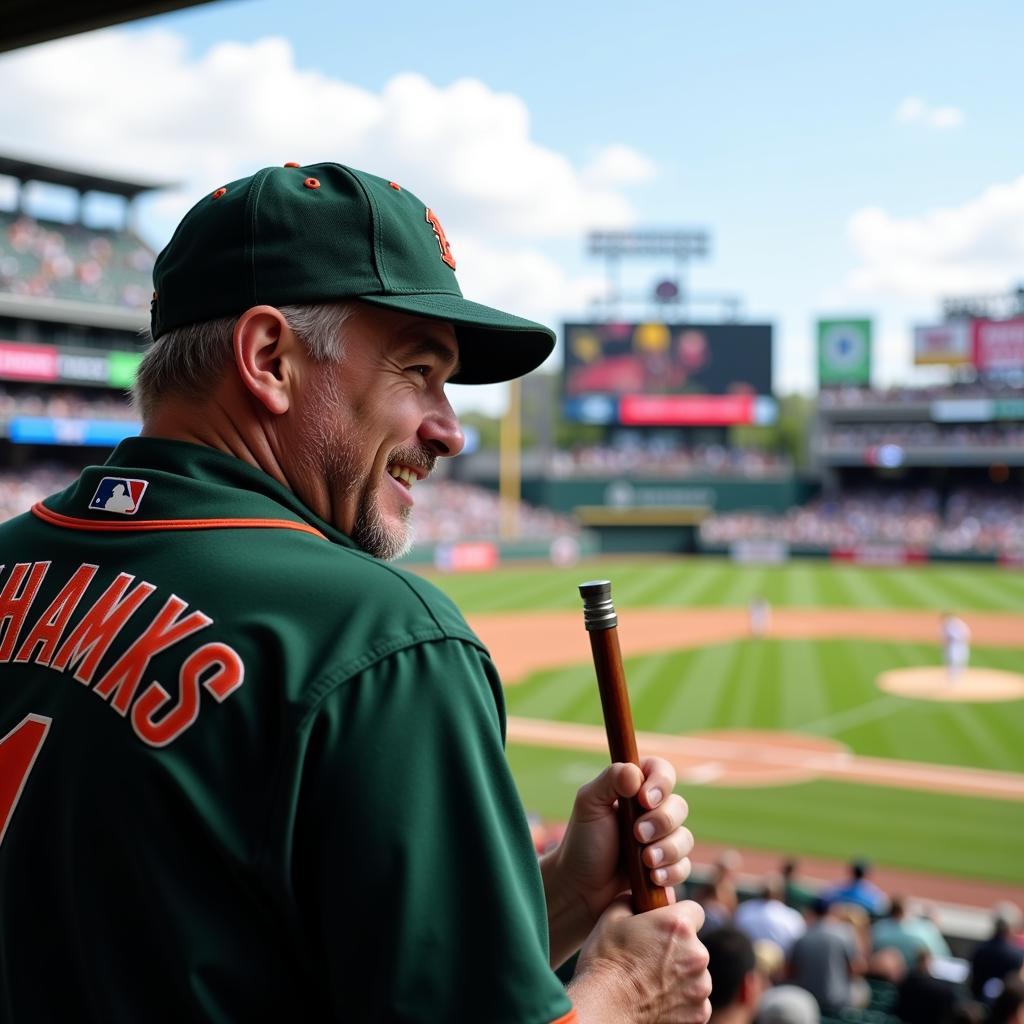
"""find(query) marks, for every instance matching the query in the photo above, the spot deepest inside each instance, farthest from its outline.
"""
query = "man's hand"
(584, 874)
(644, 969)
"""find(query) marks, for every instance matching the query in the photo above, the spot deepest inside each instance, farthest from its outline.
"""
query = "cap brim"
(493, 346)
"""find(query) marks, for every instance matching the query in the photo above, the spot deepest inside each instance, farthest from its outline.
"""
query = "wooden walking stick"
(602, 624)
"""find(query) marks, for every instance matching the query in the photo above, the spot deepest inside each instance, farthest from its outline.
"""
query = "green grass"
(707, 582)
(820, 687)
(825, 688)
(932, 832)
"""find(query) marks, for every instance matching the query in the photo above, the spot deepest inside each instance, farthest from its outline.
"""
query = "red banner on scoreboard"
(998, 344)
(686, 410)
(28, 362)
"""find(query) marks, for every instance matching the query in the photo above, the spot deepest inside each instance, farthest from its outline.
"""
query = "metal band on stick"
(601, 623)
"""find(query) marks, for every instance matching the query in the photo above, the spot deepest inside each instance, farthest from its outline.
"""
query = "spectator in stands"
(920, 922)
(797, 895)
(742, 989)
(1008, 1006)
(826, 961)
(893, 932)
(924, 999)
(998, 956)
(787, 1004)
(859, 890)
(736, 984)
(767, 917)
(718, 895)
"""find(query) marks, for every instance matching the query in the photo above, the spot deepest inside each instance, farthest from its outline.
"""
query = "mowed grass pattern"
(824, 688)
(703, 583)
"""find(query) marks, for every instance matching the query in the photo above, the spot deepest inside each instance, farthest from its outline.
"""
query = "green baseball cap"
(326, 233)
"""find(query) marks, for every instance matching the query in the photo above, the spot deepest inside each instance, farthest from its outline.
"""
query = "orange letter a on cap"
(442, 240)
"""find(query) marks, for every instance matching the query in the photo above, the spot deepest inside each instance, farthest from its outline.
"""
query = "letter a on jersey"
(118, 494)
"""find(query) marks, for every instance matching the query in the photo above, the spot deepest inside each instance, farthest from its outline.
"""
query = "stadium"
(782, 566)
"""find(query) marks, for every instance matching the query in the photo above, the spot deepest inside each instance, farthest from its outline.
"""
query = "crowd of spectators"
(48, 259)
(448, 511)
(857, 397)
(60, 403)
(666, 460)
(795, 954)
(846, 436)
(970, 520)
(19, 491)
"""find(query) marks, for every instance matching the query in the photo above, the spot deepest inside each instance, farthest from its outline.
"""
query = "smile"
(404, 475)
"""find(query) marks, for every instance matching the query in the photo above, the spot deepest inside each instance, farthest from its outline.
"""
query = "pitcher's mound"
(972, 685)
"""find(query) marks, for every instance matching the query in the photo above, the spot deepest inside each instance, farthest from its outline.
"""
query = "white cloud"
(975, 248)
(913, 110)
(140, 104)
(619, 165)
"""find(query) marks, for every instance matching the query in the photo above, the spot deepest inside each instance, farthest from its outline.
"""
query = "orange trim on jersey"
(137, 525)
(569, 1018)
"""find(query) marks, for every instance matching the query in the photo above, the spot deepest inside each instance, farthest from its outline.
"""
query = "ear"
(751, 988)
(267, 353)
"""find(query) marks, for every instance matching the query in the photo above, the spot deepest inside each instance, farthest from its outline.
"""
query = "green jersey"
(248, 772)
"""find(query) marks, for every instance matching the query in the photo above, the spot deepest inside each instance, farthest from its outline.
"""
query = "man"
(248, 771)
(859, 890)
(766, 916)
(956, 645)
(892, 932)
(736, 983)
(742, 994)
(998, 955)
(825, 961)
(923, 998)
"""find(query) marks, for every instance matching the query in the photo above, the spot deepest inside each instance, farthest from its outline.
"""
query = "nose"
(441, 431)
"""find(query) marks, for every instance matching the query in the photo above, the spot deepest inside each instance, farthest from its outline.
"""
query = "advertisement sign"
(60, 430)
(27, 362)
(121, 368)
(626, 372)
(943, 345)
(67, 365)
(844, 352)
(998, 345)
(696, 410)
(468, 556)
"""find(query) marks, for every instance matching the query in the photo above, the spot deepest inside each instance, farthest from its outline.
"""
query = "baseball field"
(835, 734)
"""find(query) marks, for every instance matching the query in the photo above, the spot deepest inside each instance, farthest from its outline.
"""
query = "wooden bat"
(602, 624)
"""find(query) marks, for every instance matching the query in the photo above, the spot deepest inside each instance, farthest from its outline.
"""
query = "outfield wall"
(709, 493)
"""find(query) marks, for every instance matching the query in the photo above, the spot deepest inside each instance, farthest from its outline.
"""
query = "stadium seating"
(48, 259)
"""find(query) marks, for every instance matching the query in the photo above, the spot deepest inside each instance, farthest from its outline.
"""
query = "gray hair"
(188, 360)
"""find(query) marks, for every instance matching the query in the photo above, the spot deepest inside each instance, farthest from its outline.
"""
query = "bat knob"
(598, 610)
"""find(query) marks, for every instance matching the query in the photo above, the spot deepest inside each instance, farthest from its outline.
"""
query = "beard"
(330, 450)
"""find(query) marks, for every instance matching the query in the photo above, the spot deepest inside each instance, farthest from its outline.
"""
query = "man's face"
(369, 427)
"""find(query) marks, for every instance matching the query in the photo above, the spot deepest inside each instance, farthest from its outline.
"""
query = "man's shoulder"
(361, 585)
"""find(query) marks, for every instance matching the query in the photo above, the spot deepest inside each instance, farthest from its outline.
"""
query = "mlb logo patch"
(118, 494)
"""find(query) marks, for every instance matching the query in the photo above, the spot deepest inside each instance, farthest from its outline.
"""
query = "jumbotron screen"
(656, 374)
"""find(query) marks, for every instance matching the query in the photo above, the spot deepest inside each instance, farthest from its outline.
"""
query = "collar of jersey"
(188, 482)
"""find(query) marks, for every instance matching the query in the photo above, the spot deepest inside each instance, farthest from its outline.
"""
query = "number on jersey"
(18, 752)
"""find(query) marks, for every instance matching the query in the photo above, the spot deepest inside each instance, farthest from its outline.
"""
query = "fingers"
(595, 798)
(659, 780)
(658, 824)
(669, 857)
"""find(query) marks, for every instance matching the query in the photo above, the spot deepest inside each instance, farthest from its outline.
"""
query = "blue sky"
(846, 159)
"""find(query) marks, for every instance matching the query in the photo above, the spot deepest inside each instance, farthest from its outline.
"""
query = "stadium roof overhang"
(26, 22)
(82, 181)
